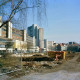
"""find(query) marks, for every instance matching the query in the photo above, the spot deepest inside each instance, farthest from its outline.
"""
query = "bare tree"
(13, 11)
(17, 11)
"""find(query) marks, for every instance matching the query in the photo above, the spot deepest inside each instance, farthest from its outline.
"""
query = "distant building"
(38, 33)
(71, 43)
(50, 45)
(41, 38)
(64, 48)
(33, 31)
(46, 44)
(73, 46)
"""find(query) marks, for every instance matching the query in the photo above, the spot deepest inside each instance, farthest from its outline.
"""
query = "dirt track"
(72, 65)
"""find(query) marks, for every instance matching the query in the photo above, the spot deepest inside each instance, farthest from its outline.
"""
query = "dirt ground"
(71, 64)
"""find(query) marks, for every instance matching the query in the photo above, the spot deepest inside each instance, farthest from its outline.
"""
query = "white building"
(63, 47)
(50, 45)
(41, 38)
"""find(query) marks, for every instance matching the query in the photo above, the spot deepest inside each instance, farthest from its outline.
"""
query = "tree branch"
(4, 3)
(26, 8)
(12, 13)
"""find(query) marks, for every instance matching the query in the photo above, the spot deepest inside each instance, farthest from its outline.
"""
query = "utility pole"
(21, 54)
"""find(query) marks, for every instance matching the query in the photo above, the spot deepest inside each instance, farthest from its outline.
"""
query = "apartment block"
(19, 37)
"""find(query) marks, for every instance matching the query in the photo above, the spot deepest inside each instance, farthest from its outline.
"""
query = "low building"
(50, 45)
(64, 48)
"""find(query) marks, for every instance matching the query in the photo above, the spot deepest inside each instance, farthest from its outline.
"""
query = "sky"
(63, 21)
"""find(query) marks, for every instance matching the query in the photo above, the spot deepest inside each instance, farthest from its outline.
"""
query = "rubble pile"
(38, 58)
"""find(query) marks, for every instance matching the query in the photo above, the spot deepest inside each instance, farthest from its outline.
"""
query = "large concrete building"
(38, 33)
(46, 44)
(20, 38)
(41, 38)
(31, 44)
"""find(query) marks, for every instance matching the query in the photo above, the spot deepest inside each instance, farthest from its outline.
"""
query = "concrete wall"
(41, 38)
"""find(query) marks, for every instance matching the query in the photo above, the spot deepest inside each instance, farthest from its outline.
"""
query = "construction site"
(52, 61)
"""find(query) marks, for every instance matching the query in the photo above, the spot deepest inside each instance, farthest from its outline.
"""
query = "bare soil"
(71, 64)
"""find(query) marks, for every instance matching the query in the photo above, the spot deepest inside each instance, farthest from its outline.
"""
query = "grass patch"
(9, 61)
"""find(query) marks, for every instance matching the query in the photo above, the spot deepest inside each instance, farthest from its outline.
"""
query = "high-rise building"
(46, 44)
(38, 33)
(41, 38)
(33, 32)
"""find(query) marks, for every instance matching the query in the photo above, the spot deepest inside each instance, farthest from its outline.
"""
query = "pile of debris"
(37, 58)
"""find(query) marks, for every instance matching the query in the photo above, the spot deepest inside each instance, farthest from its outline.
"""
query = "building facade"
(50, 45)
(46, 44)
(38, 33)
(20, 38)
